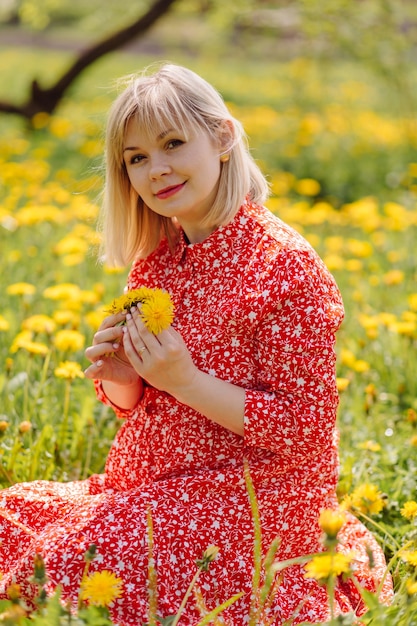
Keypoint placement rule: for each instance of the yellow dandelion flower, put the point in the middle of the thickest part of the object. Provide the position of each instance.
(94, 319)
(63, 291)
(71, 245)
(394, 277)
(4, 324)
(156, 307)
(409, 510)
(366, 498)
(326, 565)
(69, 370)
(65, 316)
(413, 441)
(342, 383)
(33, 347)
(21, 289)
(39, 324)
(69, 340)
(411, 587)
(410, 556)
(370, 445)
(331, 521)
(101, 588)
(307, 187)
(412, 300)
(157, 312)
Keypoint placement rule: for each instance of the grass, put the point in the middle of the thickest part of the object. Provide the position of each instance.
(343, 171)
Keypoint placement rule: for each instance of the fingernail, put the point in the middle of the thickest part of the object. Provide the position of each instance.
(133, 309)
(99, 363)
(115, 346)
(128, 316)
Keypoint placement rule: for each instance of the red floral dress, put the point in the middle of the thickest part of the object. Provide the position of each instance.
(256, 307)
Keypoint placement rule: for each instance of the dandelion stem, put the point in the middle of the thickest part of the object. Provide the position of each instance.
(186, 596)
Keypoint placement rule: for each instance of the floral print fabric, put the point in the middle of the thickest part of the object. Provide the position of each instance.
(256, 307)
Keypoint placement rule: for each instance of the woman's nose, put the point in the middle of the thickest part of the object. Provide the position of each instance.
(159, 167)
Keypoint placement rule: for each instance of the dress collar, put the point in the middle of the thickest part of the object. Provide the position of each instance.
(219, 238)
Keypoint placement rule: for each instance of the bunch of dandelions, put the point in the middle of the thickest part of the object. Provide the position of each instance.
(155, 307)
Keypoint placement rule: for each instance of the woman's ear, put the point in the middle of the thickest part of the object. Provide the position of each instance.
(226, 136)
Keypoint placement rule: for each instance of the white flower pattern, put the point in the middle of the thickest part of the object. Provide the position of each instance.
(256, 307)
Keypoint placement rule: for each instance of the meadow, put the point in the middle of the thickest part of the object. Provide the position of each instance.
(340, 151)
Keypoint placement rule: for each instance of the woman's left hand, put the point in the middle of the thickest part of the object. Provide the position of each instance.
(163, 360)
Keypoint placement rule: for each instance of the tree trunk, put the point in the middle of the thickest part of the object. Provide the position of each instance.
(46, 100)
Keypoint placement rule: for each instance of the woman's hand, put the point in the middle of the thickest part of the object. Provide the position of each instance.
(107, 355)
(162, 360)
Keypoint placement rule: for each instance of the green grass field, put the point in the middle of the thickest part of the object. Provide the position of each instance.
(341, 156)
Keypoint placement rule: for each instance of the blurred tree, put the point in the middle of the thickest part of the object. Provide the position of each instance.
(45, 100)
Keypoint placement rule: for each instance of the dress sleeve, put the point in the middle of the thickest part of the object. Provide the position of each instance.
(293, 411)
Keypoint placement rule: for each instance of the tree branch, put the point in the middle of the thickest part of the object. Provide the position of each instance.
(46, 100)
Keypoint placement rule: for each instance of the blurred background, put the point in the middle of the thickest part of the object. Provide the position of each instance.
(318, 84)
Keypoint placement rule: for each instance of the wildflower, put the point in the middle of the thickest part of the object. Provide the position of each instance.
(39, 324)
(4, 425)
(409, 510)
(33, 347)
(410, 556)
(413, 441)
(366, 498)
(370, 445)
(411, 587)
(101, 588)
(69, 370)
(307, 187)
(210, 555)
(331, 522)
(342, 383)
(94, 319)
(63, 291)
(156, 310)
(394, 277)
(21, 289)
(64, 317)
(69, 340)
(71, 245)
(25, 426)
(327, 565)
(157, 313)
(4, 324)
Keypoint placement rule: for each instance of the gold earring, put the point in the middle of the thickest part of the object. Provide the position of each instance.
(224, 158)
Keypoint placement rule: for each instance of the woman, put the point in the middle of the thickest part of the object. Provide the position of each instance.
(245, 374)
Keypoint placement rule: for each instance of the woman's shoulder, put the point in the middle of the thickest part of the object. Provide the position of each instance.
(271, 232)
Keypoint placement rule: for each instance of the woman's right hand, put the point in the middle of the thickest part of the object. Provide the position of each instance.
(107, 354)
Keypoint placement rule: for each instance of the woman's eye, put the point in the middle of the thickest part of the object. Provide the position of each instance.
(173, 143)
(136, 158)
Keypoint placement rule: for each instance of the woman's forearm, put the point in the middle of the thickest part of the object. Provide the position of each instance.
(218, 400)
(123, 396)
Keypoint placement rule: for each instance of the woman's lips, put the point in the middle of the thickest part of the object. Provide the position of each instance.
(167, 192)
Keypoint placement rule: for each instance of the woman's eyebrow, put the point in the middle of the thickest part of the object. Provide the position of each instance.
(159, 137)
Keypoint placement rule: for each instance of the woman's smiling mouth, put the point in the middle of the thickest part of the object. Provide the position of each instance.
(167, 192)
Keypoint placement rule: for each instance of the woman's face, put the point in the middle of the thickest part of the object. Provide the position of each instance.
(175, 176)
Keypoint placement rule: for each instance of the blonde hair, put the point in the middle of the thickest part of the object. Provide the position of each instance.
(171, 97)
